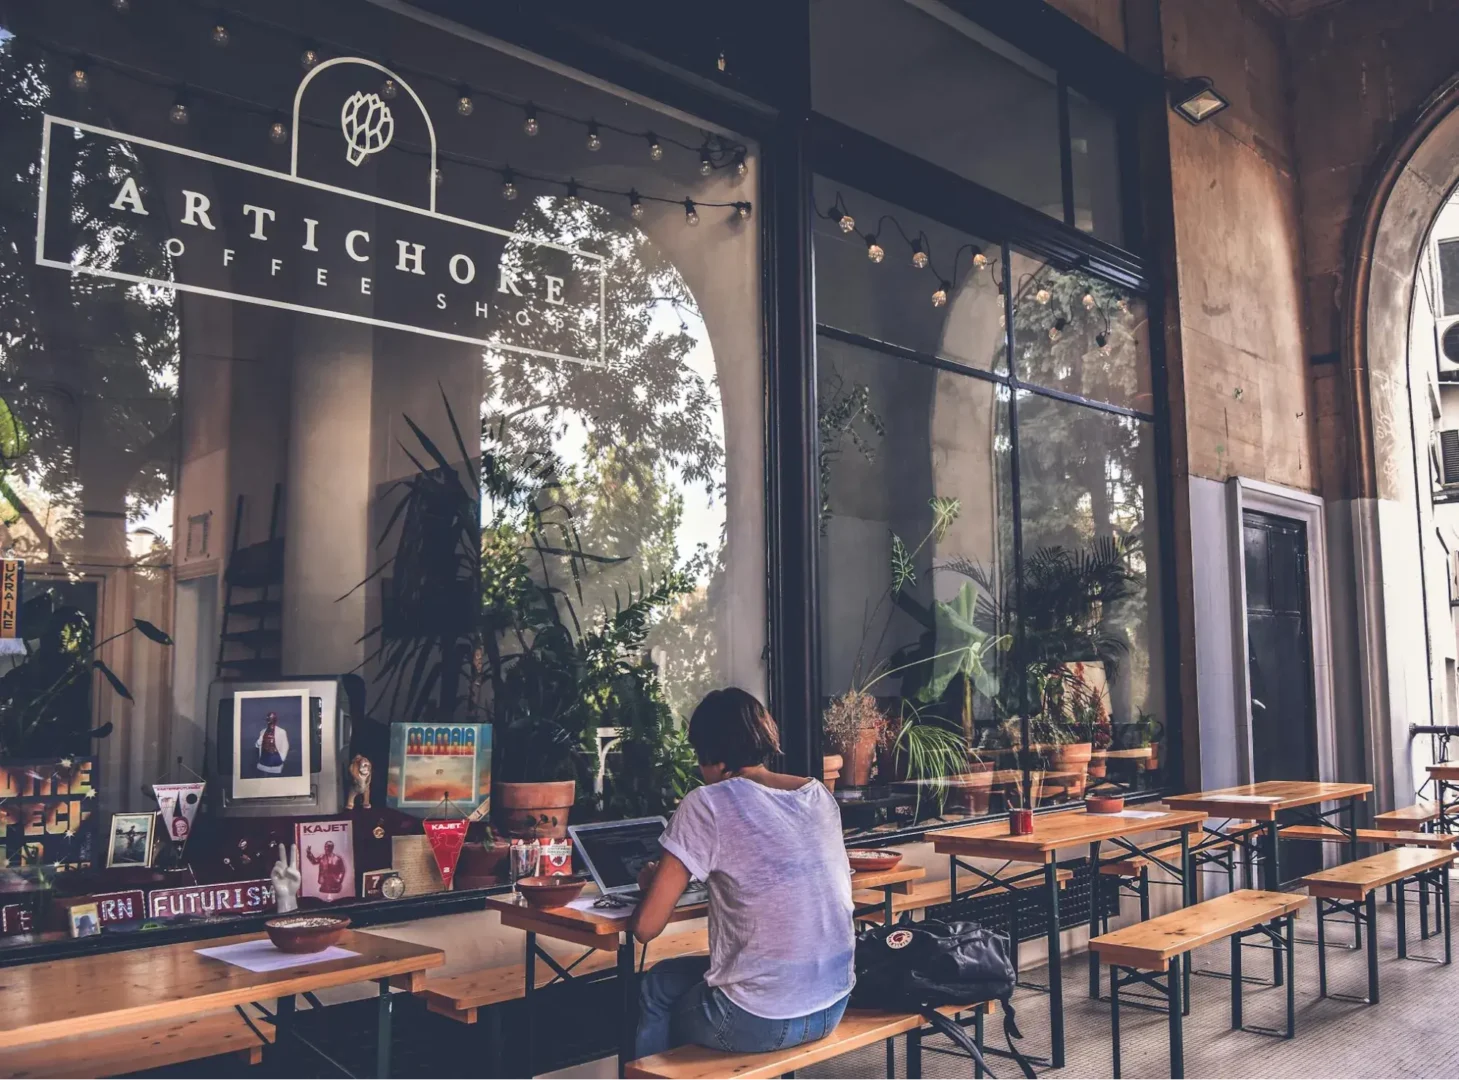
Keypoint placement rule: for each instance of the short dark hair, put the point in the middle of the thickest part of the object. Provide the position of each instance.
(732, 728)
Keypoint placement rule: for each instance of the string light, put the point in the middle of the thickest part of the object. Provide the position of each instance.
(979, 259)
(464, 105)
(530, 125)
(691, 215)
(1042, 296)
(939, 298)
(1088, 301)
(310, 56)
(389, 89)
(278, 131)
(220, 35)
(919, 257)
(742, 210)
(706, 163)
(844, 220)
(655, 149)
(594, 140)
(741, 167)
(635, 206)
(80, 78)
(874, 251)
(509, 185)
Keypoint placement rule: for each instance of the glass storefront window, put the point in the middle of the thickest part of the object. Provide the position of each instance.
(1094, 159)
(450, 382)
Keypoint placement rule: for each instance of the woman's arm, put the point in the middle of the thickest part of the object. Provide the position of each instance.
(670, 880)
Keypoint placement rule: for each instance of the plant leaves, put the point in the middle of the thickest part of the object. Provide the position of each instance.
(945, 511)
(904, 573)
(111, 677)
(103, 731)
(152, 633)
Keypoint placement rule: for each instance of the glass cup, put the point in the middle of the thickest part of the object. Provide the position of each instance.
(526, 858)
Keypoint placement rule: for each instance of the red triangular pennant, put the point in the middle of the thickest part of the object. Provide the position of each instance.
(446, 838)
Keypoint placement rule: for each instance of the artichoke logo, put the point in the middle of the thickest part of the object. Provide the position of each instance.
(367, 124)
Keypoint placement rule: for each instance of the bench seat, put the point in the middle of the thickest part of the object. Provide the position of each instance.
(1355, 880)
(858, 1028)
(141, 1048)
(1407, 817)
(1170, 850)
(1150, 945)
(926, 894)
(458, 997)
(1326, 834)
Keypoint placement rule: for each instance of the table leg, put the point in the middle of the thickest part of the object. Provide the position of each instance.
(1114, 1017)
(1271, 873)
(382, 1029)
(1177, 1012)
(1444, 901)
(1372, 910)
(914, 1052)
(529, 991)
(1095, 883)
(1290, 947)
(887, 912)
(1056, 963)
(1188, 894)
(952, 877)
(1402, 895)
(283, 1027)
(627, 978)
(1236, 1020)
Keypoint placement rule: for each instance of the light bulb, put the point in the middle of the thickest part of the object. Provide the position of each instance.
(874, 251)
(635, 206)
(1124, 305)
(1042, 296)
(464, 105)
(742, 210)
(389, 89)
(509, 185)
(309, 57)
(529, 125)
(220, 35)
(706, 166)
(741, 168)
(595, 141)
(1102, 340)
(846, 221)
(178, 114)
(980, 260)
(1088, 301)
(1055, 333)
(919, 257)
(939, 298)
(278, 132)
(691, 215)
(655, 151)
(80, 79)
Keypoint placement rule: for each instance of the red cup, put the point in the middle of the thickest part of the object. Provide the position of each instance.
(1020, 823)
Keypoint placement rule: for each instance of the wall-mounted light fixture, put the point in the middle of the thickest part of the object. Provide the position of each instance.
(1195, 99)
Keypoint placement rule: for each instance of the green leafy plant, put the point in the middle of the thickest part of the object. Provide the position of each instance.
(841, 415)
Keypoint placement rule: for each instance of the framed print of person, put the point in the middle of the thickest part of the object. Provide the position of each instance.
(326, 859)
(270, 744)
(130, 840)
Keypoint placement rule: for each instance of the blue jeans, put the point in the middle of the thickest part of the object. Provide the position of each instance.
(676, 1006)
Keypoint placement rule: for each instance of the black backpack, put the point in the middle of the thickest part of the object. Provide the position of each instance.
(922, 966)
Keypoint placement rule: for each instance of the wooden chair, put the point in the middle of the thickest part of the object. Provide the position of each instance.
(142, 1048)
(1352, 889)
(1144, 952)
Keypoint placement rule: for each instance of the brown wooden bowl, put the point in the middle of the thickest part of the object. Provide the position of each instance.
(1104, 804)
(550, 891)
(305, 933)
(873, 860)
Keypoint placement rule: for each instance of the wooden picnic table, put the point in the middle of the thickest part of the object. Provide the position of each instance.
(82, 995)
(592, 929)
(1066, 829)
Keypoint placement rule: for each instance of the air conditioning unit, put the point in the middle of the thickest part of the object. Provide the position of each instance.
(1447, 445)
(1448, 333)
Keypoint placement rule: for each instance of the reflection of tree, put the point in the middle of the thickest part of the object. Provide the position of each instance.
(632, 434)
(88, 365)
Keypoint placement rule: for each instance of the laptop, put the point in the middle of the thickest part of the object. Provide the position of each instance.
(615, 851)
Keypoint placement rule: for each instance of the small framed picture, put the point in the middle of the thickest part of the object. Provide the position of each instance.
(130, 840)
(270, 744)
(85, 919)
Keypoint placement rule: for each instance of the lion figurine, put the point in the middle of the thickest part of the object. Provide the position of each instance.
(360, 772)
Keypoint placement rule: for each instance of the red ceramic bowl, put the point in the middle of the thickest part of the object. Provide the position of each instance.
(864, 860)
(1104, 804)
(546, 892)
(305, 933)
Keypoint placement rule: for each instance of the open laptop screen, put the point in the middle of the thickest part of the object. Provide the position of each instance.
(619, 852)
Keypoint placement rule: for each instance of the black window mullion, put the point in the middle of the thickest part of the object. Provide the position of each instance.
(1066, 154)
(1019, 673)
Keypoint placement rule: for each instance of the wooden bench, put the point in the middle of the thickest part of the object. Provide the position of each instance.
(1352, 889)
(926, 894)
(859, 1028)
(141, 1048)
(1141, 953)
(458, 997)
(1327, 834)
(1407, 817)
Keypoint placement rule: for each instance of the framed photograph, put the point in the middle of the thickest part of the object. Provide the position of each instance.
(270, 744)
(432, 764)
(326, 859)
(85, 920)
(130, 841)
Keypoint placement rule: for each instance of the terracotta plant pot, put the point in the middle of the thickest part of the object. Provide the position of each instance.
(528, 811)
(972, 791)
(1104, 804)
(859, 758)
(482, 865)
(1098, 764)
(831, 770)
(1073, 758)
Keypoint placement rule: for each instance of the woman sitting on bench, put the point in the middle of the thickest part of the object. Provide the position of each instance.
(768, 847)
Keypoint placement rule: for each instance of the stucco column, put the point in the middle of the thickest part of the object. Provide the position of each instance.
(327, 497)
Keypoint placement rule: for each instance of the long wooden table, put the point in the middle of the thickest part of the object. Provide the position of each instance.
(1065, 829)
(61, 999)
(595, 931)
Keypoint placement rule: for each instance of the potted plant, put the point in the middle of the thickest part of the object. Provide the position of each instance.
(856, 726)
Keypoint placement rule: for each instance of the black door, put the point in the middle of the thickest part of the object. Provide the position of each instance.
(1279, 663)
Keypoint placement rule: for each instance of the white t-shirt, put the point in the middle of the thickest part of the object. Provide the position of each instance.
(780, 937)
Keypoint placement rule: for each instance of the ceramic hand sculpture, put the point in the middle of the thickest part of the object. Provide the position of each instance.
(286, 879)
